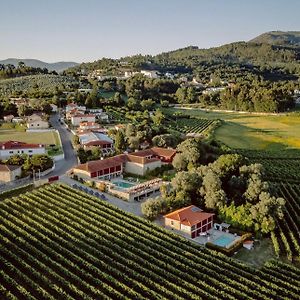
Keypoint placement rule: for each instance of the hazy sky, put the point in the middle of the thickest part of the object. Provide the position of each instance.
(86, 30)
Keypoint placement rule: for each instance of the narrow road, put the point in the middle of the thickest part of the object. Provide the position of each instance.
(70, 160)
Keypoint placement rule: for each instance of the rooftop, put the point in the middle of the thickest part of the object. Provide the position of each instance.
(18, 145)
(6, 168)
(190, 215)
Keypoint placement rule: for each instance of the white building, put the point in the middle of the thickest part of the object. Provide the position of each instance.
(149, 73)
(78, 118)
(54, 107)
(88, 126)
(96, 139)
(9, 148)
(74, 106)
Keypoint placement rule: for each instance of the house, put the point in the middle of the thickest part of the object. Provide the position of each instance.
(144, 145)
(17, 120)
(96, 139)
(102, 169)
(72, 106)
(213, 90)
(139, 163)
(190, 220)
(9, 173)
(34, 117)
(149, 73)
(8, 118)
(9, 148)
(78, 118)
(88, 125)
(37, 124)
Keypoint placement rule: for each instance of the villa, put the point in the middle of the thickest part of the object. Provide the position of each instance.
(191, 220)
(77, 118)
(139, 163)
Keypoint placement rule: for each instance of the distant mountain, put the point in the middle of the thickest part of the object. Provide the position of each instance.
(279, 38)
(57, 66)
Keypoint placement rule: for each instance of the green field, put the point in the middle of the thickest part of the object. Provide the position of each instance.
(250, 131)
(47, 138)
(60, 243)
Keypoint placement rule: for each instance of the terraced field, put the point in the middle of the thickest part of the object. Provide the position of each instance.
(60, 243)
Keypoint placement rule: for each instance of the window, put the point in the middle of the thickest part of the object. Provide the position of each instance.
(11, 151)
(30, 151)
(172, 222)
(193, 227)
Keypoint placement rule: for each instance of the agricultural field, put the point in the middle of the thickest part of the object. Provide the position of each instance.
(251, 131)
(191, 126)
(286, 238)
(59, 243)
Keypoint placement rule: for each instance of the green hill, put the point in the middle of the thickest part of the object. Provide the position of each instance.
(282, 38)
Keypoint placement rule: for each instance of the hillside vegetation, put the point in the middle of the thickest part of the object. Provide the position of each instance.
(283, 38)
(36, 85)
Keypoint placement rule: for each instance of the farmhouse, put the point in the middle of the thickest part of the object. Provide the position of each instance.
(78, 118)
(137, 163)
(9, 173)
(191, 220)
(9, 148)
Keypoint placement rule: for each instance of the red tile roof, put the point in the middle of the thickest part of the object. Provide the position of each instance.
(79, 115)
(18, 145)
(98, 143)
(166, 152)
(190, 215)
(97, 165)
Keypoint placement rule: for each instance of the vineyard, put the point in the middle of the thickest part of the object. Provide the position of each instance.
(286, 238)
(191, 126)
(60, 243)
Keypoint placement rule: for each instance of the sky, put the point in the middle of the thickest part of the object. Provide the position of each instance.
(87, 30)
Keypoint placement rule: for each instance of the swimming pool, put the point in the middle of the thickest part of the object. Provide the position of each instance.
(224, 241)
(123, 184)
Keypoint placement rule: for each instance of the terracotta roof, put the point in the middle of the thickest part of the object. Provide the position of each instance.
(166, 152)
(155, 151)
(190, 215)
(18, 145)
(5, 168)
(248, 242)
(97, 165)
(97, 143)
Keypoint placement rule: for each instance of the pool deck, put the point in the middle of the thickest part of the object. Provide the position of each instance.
(214, 235)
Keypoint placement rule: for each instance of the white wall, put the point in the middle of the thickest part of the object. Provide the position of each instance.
(30, 151)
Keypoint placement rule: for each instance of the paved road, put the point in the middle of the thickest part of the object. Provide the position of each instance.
(70, 160)
(132, 207)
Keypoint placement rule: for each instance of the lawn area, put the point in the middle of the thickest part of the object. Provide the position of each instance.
(47, 138)
(250, 131)
(262, 251)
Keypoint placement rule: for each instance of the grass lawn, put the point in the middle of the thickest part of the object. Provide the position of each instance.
(47, 138)
(250, 131)
(262, 251)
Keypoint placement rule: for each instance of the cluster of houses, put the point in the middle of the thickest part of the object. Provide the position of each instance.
(77, 114)
(34, 121)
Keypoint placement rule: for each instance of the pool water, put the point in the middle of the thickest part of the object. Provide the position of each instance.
(123, 184)
(223, 241)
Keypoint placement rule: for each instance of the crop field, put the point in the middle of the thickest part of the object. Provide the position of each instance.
(59, 243)
(286, 238)
(191, 126)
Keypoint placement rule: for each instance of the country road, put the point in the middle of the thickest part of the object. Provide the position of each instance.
(70, 160)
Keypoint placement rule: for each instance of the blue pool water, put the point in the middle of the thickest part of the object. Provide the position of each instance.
(123, 184)
(223, 241)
